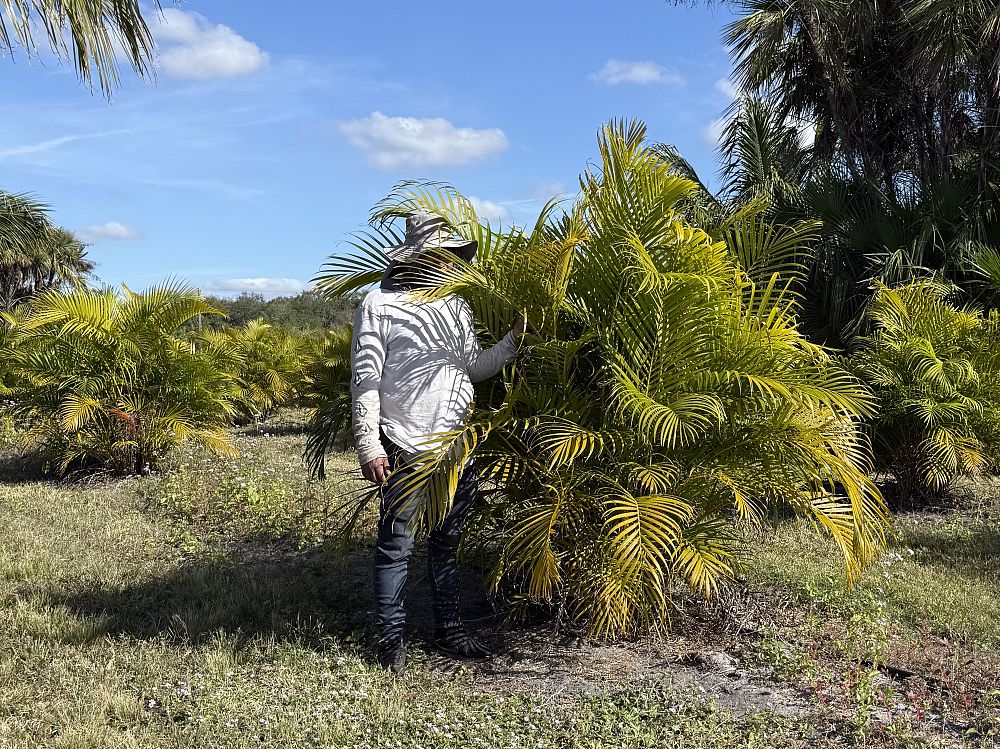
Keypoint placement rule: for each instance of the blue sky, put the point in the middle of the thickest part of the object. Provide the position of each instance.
(267, 136)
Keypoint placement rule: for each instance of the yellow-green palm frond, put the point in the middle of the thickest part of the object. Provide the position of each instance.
(106, 380)
(665, 403)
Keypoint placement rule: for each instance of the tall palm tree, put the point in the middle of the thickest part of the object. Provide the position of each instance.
(94, 34)
(904, 101)
(903, 93)
(35, 255)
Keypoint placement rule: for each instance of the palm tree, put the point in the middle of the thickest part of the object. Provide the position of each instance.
(93, 33)
(101, 378)
(665, 404)
(327, 393)
(935, 368)
(268, 364)
(903, 103)
(34, 254)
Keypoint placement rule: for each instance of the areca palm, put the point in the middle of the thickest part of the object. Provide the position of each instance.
(935, 368)
(101, 378)
(267, 362)
(94, 34)
(665, 404)
(327, 393)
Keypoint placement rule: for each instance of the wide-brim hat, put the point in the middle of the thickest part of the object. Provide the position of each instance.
(425, 231)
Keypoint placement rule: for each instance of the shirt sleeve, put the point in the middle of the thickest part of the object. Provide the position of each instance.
(367, 359)
(480, 363)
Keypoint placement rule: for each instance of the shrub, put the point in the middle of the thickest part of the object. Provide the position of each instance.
(935, 369)
(99, 378)
(327, 393)
(665, 404)
(266, 362)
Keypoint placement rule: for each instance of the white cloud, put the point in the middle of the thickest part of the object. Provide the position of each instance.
(616, 72)
(727, 88)
(489, 211)
(53, 143)
(713, 131)
(547, 190)
(392, 142)
(265, 286)
(109, 232)
(190, 46)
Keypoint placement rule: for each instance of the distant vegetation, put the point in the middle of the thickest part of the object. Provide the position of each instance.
(305, 311)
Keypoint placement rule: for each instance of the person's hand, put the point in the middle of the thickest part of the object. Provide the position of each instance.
(376, 470)
(519, 327)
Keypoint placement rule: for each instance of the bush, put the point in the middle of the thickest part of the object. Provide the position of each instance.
(327, 393)
(267, 363)
(665, 404)
(936, 371)
(99, 377)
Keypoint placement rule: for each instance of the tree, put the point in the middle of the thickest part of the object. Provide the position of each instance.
(935, 369)
(306, 311)
(902, 100)
(35, 255)
(95, 34)
(665, 404)
(267, 364)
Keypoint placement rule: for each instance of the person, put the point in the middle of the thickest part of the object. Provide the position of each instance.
(414, 363)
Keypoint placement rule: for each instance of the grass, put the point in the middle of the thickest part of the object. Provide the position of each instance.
(941, 571)
(200, 608)
(927, 614)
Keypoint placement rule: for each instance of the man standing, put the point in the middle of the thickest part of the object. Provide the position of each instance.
(413, 365)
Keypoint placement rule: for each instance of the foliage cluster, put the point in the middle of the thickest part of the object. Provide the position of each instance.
(268, 364)
(101, 378)
(307, 311)
(259, 492)
(892, 145)
(113, 381)
(36, 255)
(666, 404)
(936, 371)
(96, 35)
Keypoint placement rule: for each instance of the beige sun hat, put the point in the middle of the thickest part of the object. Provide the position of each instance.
(425, 231)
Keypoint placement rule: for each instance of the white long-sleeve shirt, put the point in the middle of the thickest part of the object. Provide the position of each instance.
(413, 365)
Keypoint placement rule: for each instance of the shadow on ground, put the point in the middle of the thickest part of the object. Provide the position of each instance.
(318, 601)
(22, 467)
(310, 598)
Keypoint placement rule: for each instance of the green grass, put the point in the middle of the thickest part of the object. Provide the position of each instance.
(940, 571)
(199, 608)
(112, 636)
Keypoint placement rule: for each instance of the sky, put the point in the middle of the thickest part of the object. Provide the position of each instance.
(267, 135)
